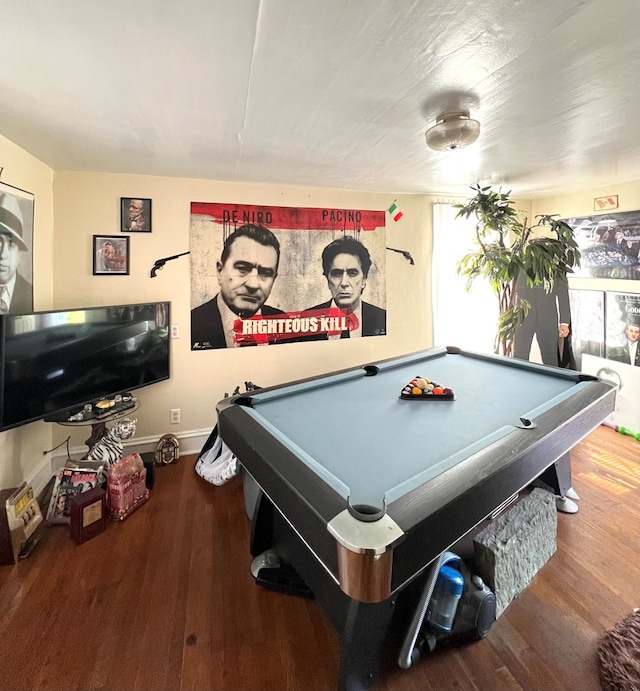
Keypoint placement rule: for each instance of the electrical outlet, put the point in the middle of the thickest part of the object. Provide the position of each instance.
(175, 416)
(175, 330)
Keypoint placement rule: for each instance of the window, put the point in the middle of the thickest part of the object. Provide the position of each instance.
(467, 319)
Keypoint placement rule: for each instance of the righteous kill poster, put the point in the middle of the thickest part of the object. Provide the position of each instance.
(265, 275)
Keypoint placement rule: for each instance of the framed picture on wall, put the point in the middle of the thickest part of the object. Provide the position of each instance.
(16, 224)
(110, 255)
(135, 215)
(609, 245)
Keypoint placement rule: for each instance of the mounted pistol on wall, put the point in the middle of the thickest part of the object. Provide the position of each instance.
(161, 262)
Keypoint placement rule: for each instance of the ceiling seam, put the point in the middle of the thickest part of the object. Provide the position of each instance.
(259, 18)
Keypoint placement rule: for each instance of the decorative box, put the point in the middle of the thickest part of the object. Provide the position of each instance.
(126, 488)
(88, 513)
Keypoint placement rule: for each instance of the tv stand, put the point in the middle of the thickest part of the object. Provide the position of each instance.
(97, 416)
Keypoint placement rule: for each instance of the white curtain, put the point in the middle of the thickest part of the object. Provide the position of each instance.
(460, 318)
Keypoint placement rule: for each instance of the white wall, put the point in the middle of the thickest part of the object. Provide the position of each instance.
(21, 449)
(88, 204)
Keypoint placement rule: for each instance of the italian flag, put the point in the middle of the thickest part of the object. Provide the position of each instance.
(395, 212)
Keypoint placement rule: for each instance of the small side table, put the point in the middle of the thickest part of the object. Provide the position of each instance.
(98, 422)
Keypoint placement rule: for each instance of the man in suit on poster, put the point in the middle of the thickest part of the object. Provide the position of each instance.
(16, 293)
(247, 270)
(629, 353)
(345, 264)
(548, 318)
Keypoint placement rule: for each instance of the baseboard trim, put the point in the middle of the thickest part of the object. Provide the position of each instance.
(40, 476)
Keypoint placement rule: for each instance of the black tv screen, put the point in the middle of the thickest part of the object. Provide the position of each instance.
(54, 362)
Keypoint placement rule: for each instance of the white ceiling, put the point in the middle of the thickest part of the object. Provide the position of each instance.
(329, 93)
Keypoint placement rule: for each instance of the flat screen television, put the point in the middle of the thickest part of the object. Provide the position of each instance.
(55, 362)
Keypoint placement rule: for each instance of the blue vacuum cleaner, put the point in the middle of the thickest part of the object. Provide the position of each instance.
(454, 602)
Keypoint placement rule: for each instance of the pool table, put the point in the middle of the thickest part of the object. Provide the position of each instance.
(361, 490)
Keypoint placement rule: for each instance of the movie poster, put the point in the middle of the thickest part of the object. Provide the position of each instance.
(16, 234)
(265, 275)
(627, 379)
(587, 324)
(619, 361)
(623, 328)
(609, 245)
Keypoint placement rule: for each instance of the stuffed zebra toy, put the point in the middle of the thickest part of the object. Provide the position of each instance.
(109, 449)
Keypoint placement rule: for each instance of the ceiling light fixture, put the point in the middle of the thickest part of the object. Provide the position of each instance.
(452, 131)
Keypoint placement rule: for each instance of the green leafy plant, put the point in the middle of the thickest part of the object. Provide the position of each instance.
(506, 246)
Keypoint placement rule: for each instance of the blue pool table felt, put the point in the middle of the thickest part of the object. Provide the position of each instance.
(372, 447)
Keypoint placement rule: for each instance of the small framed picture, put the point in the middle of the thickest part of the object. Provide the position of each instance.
(135, 215)
(110, 255)
(604, 203)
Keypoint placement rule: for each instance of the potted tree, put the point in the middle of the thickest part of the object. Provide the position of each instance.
(506, 246)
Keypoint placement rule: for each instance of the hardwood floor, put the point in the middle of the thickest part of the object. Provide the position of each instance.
(165, 600)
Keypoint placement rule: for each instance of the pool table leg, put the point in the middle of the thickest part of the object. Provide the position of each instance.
(558, 479)
(362, 641)
(558, 476)
(362, 626)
